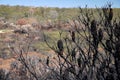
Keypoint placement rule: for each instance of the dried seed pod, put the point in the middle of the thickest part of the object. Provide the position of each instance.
(108, 45)
(118, 46)
(47, 61)
(117, 54)
(79, 62)
(73, 36)
(73, 54)
(93, 26)
(93, 29)
(110, 14)
(60, 46)
(100, 34)
(117, 31)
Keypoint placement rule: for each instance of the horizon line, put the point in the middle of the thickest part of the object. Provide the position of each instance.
(52, 6)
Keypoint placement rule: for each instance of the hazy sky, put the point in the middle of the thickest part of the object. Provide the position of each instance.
(61, 3)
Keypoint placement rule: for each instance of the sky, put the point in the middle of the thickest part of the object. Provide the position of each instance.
(61, 3)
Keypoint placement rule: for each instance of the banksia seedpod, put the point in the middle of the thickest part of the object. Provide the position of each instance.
(60, 46)
(47, 62)
(94, 33)
(73, 36)
(100, 34)
(73, 54)
(117, 31)
(118, 45)
(93, 28)
(117, 49)
(108, 45)
(110, 14)
(79, 62)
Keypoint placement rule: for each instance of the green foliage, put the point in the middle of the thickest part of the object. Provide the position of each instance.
(43, 13)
